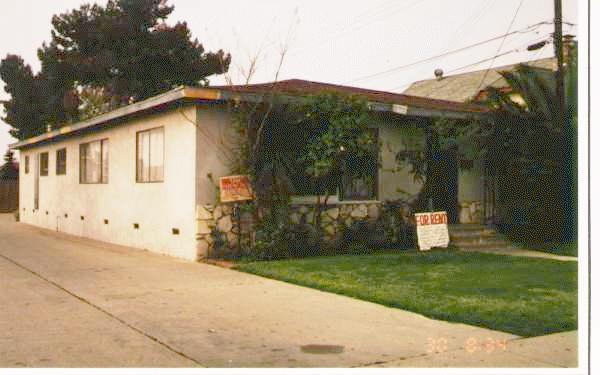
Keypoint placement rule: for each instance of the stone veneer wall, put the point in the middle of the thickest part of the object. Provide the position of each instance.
(333, 219)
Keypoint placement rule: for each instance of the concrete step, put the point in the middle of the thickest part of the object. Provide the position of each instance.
(472, 234)
(471, 231)
(467, 227)
(478, 237)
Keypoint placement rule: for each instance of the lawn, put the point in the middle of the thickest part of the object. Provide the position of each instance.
(523, 296)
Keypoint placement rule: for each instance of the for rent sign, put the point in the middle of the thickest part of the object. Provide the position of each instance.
(235, 188)
(432, 229)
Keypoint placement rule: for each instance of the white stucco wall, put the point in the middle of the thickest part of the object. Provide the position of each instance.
(393, 179)
(157, 207)
(216, 147)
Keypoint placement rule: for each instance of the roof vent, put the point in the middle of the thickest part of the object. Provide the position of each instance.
(439, 74)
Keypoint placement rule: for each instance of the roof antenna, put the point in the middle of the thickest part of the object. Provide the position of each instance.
(439, 74)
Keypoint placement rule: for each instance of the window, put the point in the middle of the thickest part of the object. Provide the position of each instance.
(93, 162)
(352, 185)
(150, 155)
(61, 161)
(363, 187)
(26, 164)
(44, 164)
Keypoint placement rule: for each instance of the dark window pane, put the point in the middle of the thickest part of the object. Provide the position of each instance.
(44, 164)
(61, 161)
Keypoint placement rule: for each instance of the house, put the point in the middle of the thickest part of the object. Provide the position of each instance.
(146, 175)
(9, 186)
(470, 86)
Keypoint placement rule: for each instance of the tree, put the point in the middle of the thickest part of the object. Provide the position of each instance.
(127, 48)
(536, 149)
(9, 170)
(24, 110)
(124, 50)
(337, 143)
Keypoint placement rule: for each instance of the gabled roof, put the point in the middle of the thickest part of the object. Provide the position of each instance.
(290, 89)
(464, 87)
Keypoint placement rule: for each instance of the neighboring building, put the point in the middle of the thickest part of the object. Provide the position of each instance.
(145, 175)
(9, 186)
(469, 86)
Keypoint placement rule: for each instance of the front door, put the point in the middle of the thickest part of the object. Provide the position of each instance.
(444, 181)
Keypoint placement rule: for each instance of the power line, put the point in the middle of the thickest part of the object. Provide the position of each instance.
(519, 49)
(355, 25)
(471, 19)
(501, 44)
(521, 31)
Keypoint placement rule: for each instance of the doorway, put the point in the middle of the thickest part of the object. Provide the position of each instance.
(444, 182)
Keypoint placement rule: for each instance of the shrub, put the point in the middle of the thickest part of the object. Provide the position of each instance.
(303, 240)
(220, 248)
(397, 224)
(358, 248)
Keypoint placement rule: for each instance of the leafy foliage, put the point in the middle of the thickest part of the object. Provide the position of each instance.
(9, 171)
(24, 111)
(123, 50)
(336, 135)
(533, 151)
(321, 137)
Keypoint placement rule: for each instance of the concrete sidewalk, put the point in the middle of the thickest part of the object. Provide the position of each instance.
(518, 252)
(71, 302)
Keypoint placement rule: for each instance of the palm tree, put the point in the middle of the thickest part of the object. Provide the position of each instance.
(533, 147)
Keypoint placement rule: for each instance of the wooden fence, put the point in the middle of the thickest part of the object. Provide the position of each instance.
(9, 195)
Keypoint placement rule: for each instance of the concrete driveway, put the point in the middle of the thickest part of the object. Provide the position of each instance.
(72, 302)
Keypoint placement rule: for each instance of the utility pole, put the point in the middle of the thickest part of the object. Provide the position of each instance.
(569, 205)
(558, 51)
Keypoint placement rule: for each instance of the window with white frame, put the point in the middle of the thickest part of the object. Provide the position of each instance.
(150, 155)
(93, 162)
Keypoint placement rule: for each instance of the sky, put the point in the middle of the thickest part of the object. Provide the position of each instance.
(356, 43)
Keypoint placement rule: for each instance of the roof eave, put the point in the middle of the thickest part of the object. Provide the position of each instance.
(218, 94)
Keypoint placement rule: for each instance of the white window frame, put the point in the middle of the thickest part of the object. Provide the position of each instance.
(139, 174)
(102, 163)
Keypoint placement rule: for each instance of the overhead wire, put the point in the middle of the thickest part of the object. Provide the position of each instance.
(493, 58)
(519, 49)
(471, 19)
(354, 26)
(521, 31)
(501, 44)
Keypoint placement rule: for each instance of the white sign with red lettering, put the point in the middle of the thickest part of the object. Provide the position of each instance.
(432, 229)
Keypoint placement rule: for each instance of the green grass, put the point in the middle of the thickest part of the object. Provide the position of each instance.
(523, 296)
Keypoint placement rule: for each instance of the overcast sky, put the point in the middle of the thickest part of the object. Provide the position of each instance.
(357, 43)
